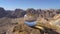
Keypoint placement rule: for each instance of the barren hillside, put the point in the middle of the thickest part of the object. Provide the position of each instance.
(10, 19)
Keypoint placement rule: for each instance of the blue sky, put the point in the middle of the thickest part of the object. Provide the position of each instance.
(24, 4)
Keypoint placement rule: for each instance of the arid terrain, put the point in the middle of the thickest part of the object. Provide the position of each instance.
(9, 19)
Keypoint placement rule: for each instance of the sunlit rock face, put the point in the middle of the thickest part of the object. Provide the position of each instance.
(57, 22)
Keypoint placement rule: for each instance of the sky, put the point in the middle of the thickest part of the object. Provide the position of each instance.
(24, 4)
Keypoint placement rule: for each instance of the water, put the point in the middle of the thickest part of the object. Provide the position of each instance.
(30, 23)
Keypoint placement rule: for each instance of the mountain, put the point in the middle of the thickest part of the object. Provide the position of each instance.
(9, 18)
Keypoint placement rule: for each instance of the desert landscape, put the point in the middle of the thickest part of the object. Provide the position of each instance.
(12, 21)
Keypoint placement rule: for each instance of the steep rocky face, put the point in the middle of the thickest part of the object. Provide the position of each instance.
(9, 13)
(19, 13)
(12, 14)
(47, 13)
(2, 12)
(5, 13)
(58, 11)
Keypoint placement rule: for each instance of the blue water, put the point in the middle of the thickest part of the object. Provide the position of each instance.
(30, 23)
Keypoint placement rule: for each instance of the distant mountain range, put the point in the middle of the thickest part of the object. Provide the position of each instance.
(20, 12)
(7, 21)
